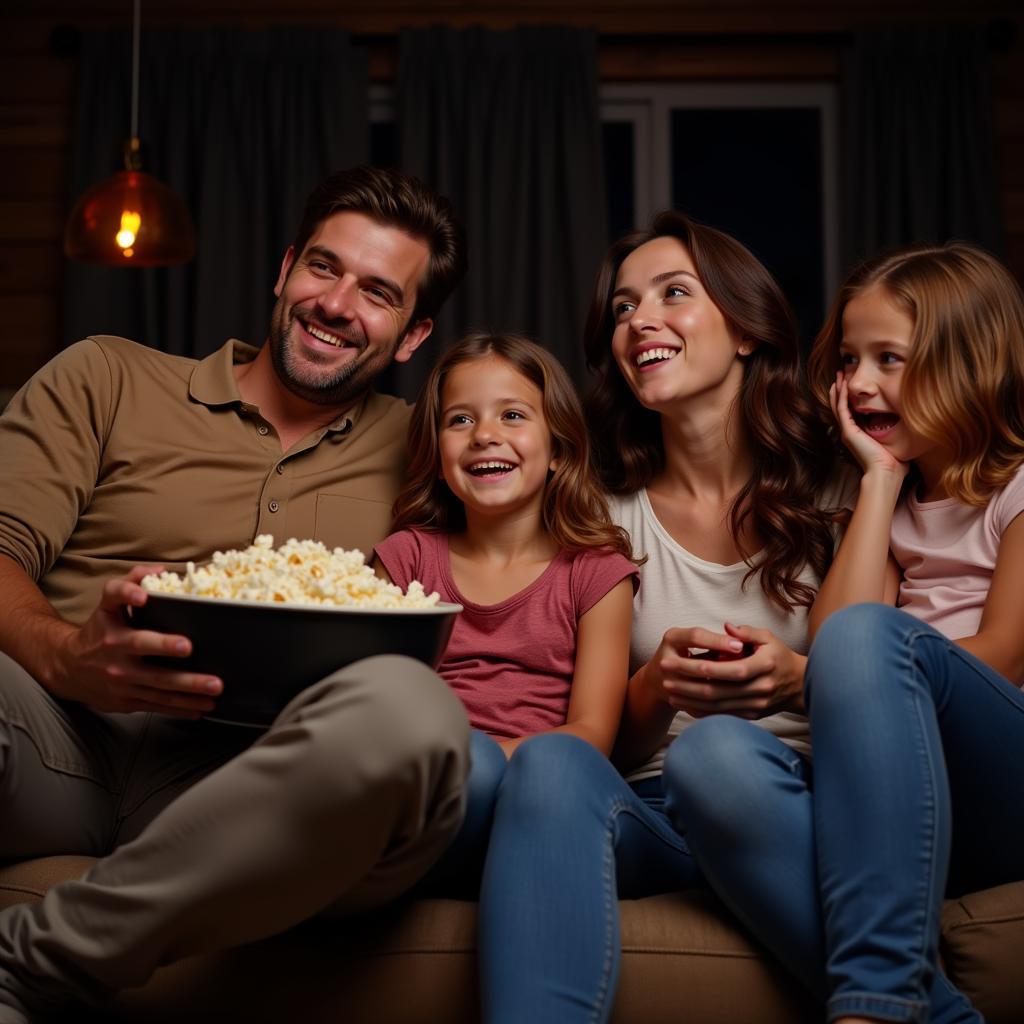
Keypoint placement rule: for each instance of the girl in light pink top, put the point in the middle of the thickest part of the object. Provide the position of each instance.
(917, 718)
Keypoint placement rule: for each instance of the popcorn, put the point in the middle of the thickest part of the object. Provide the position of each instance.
(299, 572)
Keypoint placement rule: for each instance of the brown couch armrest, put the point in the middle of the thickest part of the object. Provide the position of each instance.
(982, 947)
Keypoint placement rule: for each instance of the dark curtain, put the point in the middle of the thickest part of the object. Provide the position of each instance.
(241, 125)
(919, 161)
(507, 125)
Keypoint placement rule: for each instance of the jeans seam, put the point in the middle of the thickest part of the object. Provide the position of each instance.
(607, 877)
(928, 884)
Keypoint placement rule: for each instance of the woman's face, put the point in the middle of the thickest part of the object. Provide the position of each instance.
(670, 340)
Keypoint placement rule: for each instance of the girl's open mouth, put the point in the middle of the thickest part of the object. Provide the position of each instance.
(494, 467)
(876, 424)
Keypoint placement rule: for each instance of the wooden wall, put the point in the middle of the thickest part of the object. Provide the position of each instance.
(748, 39)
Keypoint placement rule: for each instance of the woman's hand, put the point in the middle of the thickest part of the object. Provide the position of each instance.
(765, 682)
(872, 456)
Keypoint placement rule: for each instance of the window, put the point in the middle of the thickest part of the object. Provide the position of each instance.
(757, 160)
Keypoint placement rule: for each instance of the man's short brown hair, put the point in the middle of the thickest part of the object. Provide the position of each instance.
(398, 200)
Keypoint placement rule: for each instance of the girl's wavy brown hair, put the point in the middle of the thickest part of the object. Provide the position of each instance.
(963, 383)
(789, 451)
(574, 511)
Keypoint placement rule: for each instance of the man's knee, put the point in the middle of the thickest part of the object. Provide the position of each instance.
(388, 717)
(417, 708)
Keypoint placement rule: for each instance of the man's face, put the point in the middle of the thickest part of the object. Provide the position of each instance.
(343, 308)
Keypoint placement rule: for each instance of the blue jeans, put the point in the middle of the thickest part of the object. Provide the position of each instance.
(457, 874)
(915, 795)
(569, 838)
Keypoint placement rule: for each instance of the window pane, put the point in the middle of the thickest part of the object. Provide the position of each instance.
(756, 173)
(620, 183)
(383, 143)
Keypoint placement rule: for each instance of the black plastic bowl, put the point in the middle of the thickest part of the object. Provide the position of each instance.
(267, 653)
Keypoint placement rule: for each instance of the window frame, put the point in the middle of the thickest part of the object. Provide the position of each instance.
(648, 107)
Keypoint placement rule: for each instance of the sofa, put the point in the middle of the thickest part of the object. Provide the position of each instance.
(684, 959)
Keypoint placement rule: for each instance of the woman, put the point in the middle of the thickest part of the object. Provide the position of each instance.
(705, 434)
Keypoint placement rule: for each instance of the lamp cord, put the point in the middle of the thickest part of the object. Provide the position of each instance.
(135, 70)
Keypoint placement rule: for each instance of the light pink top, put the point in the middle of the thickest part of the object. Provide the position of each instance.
(947, 551)
(510, 663)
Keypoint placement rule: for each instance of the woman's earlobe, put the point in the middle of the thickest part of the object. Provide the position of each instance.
(747, 345)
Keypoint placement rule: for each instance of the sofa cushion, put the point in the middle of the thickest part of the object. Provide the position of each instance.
(683, 958)
(982, 945)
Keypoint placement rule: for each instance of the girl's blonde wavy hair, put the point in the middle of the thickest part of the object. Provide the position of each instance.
(963, 383)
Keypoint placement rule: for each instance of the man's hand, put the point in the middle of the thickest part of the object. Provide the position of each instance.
(765, 682)
(100, 663)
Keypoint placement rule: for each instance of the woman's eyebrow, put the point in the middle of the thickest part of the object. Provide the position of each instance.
(669, 274)
(657, 279)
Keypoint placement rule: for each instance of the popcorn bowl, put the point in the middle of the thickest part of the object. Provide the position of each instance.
(268, 652)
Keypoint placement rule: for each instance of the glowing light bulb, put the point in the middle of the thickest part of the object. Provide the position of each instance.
(130, 221)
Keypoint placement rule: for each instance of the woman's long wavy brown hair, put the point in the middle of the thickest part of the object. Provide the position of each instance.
(963, 383)
(790, 452)
(574, 511)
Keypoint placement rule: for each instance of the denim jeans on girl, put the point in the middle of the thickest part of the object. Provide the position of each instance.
(916, 790)
(569, 838)
(457, 874)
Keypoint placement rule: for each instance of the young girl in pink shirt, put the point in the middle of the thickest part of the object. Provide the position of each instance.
(501, 515)
(916, 714)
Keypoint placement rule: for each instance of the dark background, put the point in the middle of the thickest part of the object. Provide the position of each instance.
(687, 41)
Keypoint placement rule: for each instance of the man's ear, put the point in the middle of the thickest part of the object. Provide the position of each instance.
(414, 337)
(286, 266)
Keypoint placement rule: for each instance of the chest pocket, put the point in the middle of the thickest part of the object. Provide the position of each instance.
(346, 522)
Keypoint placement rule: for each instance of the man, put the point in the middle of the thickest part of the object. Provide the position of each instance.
(115, 456)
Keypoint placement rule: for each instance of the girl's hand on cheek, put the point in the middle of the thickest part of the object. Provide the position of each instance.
(872, 456)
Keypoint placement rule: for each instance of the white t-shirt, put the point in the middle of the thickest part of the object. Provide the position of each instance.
(680, 589)
(947, 551)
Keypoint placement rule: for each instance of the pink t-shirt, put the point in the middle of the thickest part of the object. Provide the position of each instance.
(947, 551)
(510, 663)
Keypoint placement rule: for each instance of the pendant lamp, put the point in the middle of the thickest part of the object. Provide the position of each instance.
(130, 219)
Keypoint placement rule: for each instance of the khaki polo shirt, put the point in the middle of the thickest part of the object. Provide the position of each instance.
(115, 455)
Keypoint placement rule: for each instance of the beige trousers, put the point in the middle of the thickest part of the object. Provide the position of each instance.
(342, 805)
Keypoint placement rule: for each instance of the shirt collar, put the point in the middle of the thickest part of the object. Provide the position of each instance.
(213, 380)
(213, 383)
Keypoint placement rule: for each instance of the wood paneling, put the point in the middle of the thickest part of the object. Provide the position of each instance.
(31, 267)
(32, 220)
(607, 16)
(30, 317)
(34, 172)
(34, 124)
(662, 40)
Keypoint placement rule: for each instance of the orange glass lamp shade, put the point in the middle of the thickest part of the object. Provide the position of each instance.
(130, 220)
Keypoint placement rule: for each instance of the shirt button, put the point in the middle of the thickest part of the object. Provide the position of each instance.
(263, 429)
(274, 506)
